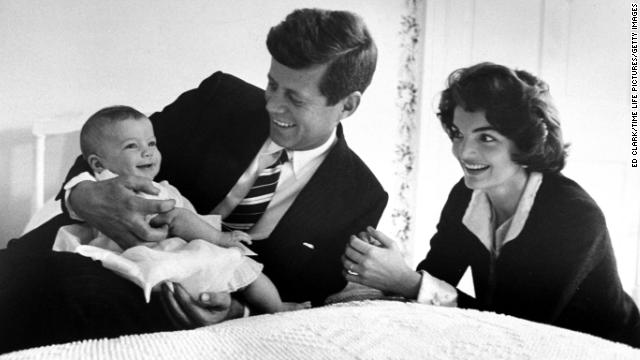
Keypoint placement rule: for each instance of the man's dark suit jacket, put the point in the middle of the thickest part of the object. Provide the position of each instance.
(209, 136)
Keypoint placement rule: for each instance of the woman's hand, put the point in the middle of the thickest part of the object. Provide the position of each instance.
(381, 267)
(113, 207)
(188, 313)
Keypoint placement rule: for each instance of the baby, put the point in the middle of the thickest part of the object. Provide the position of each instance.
(119, 140)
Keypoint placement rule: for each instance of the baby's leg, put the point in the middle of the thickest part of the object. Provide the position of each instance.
(293, 306)
(263, 297)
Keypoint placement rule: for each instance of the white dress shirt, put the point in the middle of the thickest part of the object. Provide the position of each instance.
(294, 175)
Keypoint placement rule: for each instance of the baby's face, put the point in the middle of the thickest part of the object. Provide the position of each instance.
(129, 148)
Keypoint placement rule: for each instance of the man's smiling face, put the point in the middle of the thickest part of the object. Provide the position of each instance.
(300, 116)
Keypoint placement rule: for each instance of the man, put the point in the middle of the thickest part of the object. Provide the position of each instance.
(214, 140)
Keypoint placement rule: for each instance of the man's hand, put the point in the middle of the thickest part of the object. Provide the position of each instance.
(187, 313)
(112, 207)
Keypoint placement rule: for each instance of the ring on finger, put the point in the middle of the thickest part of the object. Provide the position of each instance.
(350, 270)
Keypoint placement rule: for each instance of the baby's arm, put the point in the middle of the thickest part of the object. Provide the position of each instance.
(189, 226)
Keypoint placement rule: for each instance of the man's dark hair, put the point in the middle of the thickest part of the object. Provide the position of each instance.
(311, 37)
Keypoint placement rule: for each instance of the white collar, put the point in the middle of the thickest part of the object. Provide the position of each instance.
(478, 216)
(106, 174)
(300, 158)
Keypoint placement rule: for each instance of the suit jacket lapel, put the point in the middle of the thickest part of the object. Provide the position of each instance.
(319, 193)
(232, 146)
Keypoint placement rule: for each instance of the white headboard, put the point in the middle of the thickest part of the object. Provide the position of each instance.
(41, 129)
(41, 208)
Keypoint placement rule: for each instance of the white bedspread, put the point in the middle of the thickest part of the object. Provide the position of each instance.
(358, 330)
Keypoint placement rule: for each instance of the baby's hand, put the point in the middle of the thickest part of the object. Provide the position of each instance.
(233, 238)
(240, 236)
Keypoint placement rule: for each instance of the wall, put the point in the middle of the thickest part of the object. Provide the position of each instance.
(69, 58)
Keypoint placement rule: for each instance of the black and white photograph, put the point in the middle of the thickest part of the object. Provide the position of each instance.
(305, 179)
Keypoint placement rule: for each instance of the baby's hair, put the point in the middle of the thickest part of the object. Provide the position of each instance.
(92, 132)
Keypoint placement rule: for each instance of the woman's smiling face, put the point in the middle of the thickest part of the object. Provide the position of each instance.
(483, 153)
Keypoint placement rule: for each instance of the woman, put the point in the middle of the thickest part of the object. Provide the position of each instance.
(536, 242)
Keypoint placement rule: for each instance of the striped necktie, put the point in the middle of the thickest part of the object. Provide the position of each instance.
(250, 209)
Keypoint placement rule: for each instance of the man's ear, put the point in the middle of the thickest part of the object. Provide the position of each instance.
(350, 104)
(95, 163)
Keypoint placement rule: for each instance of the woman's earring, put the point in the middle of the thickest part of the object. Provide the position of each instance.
(545, 133)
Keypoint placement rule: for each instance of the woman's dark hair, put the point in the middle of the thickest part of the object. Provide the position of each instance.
(310, 37)
(517, 104)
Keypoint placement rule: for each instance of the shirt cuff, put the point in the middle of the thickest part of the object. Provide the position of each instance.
(434, 291)
(85, 176)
